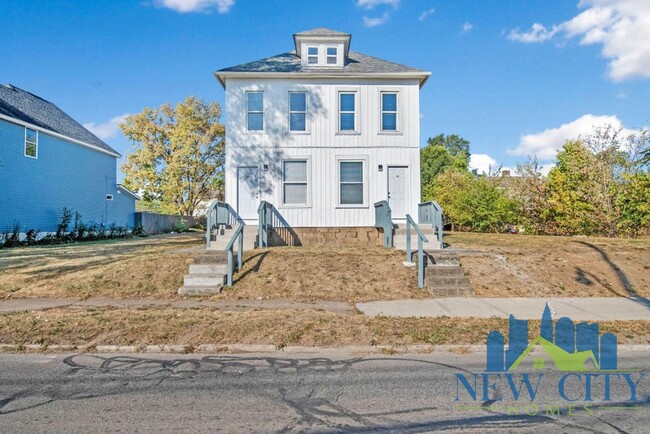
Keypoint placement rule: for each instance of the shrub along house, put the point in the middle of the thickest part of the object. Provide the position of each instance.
(48, 162)
(322, 133)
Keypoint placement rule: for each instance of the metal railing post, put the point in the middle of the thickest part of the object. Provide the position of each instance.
(409, 258)
(420, 263)
(240, 253)
(229, 281)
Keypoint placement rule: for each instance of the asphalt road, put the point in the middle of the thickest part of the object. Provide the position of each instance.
(301, 393)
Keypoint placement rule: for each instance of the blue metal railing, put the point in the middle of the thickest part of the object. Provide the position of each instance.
(431, 213)
(384, 220)
(269, 218)
(421, 240)
(219, 214)
(238, 235)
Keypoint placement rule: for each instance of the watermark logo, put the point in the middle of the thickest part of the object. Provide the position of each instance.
(575, 367)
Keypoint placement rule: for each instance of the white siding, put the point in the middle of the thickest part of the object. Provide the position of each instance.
(322, 144)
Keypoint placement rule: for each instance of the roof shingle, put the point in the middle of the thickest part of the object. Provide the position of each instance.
(27, 107)
(322, 31)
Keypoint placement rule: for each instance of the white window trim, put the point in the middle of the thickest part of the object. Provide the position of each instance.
(357, 109)
(317, 55)
(307, 126)
(398, 117)
(247, 112)
(295, 205)
(328, 56)
(25, 144)
(364, 167)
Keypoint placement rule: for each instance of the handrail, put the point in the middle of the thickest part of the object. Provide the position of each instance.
(421, 240)
(384, 220)
(431, 213)
(270, 218)
(217, 214)
(238, 234)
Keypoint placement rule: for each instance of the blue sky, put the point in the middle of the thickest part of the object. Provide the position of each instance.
(515, 78)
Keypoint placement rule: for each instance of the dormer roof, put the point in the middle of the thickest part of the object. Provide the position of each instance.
(321, 34)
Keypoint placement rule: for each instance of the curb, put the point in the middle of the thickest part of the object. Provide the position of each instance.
(255, 348)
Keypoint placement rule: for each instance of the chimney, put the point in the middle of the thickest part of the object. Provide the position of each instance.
(505, 173)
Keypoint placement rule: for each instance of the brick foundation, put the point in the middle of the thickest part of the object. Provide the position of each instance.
(341, 236)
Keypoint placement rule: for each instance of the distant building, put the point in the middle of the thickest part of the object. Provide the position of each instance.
(48, 161)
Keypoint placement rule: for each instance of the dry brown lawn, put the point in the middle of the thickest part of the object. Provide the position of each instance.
(140, 267)
(290, 327)
(541, 266)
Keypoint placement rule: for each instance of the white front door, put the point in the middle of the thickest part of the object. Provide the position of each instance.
(398, 191)
(248, 191)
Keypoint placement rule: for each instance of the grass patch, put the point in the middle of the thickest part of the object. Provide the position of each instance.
(141, 327)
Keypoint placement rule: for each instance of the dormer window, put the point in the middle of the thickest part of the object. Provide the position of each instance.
(312, 55)
(332, 57)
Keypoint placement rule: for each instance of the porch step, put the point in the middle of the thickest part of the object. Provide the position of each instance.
(445, 270)
(204, 279)
(440, 281)
(200, 290)
(439, 258)
(451, 291)
(444, 275)
(208, 268)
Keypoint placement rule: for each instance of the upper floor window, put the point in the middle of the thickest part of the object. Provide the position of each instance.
(255, 111)
(347, 111)
(297, 111)
(312, 55)
(389, 111)
(332, 58)
(31, 143)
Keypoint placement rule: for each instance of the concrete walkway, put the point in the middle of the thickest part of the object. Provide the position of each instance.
(32, 304)
(582, 309)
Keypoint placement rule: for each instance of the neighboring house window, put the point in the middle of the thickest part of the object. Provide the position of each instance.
(351, 182)
(31, 143)
(255, 110)
(331, 56)
(389, 111)
(297, 111)
(312, 55)
(294, 182)
(347, 111)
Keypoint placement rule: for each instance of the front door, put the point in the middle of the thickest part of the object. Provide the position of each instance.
(248, 191)
(398, 191)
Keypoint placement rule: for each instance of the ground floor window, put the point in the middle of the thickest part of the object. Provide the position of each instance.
(295, 182)
(351, 183)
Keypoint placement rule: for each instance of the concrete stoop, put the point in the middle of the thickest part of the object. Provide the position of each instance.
(444, 275)
(207, 274)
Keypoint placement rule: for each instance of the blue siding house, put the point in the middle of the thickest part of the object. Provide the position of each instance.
(48, 161)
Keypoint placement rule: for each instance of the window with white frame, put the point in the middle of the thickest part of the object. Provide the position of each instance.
(312, 55)
(347, 111)
(255, 111)
(332, 58)
(31, 143)
(389, 111)
(351, 182)
(297, 111)
(295, 182)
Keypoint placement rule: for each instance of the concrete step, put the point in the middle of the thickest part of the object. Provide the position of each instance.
(212, 257)
(437, 258)
(439, 281)
(205, 279)
(444, 270)
(209, 268)
(451, 291)
(200, 290)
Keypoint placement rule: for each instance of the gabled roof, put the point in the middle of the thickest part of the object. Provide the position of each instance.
(34, 110)
(322, 31)
(355, 64)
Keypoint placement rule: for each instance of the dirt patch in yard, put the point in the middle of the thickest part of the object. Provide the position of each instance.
(139, 267)
(141, 327)
(325, 273)
(541, 266)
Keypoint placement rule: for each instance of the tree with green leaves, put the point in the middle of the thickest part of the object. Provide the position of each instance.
(178, 155)
(456, 145)
(440, 153)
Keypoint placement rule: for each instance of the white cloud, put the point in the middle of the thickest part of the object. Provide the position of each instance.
(483, 163)
(467, 27)
(107, 129)
(186, 6)
(622, 27)
(377, 21)
(371, 4)
(423, 16)
(545, 144)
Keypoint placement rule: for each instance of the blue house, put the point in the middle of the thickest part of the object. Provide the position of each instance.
(48, 161)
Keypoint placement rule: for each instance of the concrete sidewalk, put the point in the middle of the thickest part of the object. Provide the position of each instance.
(582, 309)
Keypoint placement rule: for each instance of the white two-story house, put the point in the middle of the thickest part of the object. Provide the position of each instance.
(322, 133)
